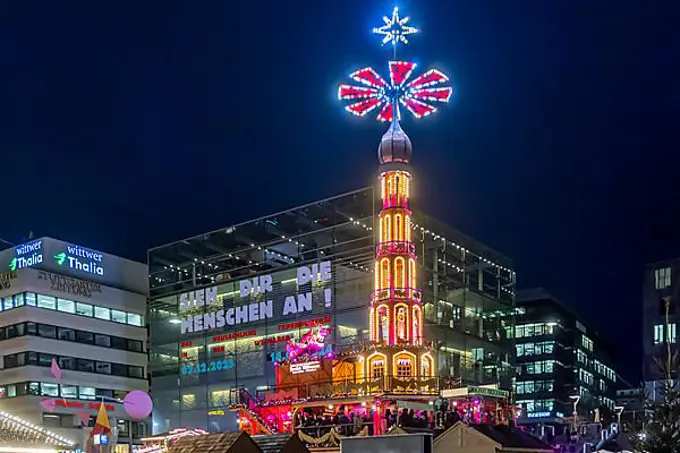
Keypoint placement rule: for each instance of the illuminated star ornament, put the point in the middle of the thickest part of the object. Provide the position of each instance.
(418, 96)
(395, 29)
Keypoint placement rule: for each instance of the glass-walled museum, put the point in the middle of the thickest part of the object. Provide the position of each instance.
(225, 305)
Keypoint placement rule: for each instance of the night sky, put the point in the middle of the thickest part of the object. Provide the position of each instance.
(126, 125)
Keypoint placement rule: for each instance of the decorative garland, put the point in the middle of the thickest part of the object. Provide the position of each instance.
(331, 438)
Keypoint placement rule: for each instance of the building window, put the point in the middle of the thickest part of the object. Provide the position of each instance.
(540, 367)
(404, 368)
(586, 376)
(378, 369)
(48, 302)
(587, 343)
(529, 349)
(65, 305)
(662, 277)
(581, 357)
(69, 306)
(658, 334)
(671, 333)
(522, 388)
(532, 330)
(84, 309)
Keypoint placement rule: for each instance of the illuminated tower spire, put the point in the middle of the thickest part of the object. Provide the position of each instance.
(396, 310)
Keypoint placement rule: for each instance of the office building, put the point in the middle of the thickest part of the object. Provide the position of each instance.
(559, 362)
(86, 311)
(659, 323)
(225, 305)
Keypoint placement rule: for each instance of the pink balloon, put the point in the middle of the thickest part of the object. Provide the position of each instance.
(138, 405)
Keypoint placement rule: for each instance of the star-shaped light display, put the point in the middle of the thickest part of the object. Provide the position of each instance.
(395, 29)
(417, 96)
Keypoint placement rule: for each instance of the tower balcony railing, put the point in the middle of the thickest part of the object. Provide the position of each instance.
(406, 294)
(396, 248)
(395, 201)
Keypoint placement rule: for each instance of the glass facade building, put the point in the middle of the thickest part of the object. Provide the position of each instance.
(224, 305)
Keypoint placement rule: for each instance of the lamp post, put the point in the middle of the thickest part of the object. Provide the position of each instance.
(576, 399)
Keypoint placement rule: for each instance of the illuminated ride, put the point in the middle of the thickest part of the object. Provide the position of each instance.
(397, 370)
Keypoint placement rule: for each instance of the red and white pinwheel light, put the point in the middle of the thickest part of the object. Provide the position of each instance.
(418, 96)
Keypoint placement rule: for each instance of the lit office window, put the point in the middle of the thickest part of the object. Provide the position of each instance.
(658, 334)
(587, 343)
(662, 277)
(670, 334)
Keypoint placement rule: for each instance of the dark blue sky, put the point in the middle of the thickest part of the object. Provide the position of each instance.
(129, 124)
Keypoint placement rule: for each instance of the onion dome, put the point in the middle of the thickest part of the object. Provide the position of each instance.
(395, 145)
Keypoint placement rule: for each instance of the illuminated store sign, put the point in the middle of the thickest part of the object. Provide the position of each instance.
(304, 367)
(27, 255)
(256, 311)
(81, 259)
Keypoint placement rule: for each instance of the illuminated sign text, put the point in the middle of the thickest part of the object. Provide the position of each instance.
(256, 311)
(27, 255)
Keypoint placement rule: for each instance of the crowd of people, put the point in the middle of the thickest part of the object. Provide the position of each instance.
(351, 421)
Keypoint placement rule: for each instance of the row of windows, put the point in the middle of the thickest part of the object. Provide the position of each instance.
(73, 363)
(70, 306)
(662, 277)
(528, 349)
(540, 367)
(671, 333)
(68, 420)
(608, 402)
(586, 376)
(532, 330)
(604, 370)
(525, 387)
(67, 334)
(64, 391)
(537, 405)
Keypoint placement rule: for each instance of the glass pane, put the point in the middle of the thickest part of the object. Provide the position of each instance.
(47, 331)
(84, 309)
(45, 359)
(103, 368)
(85, 365)
(134, 345)
(102, 313)
(134, 319)
(48, 302)
(49, 389)
(84, 337)
(7, 303)
(67, 334)
(67, 363)
(86, 393)
(30, 299)
(34, 388)
(136, 372)
(19, 300)
(118, 316)
(66, 305)
(102, 340)
(69, 391)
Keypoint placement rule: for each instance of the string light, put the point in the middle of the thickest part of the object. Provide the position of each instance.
(416, 96)
(395, 29)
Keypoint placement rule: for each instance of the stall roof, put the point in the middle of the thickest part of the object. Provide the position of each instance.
(280, 443)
